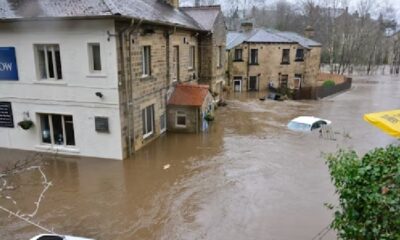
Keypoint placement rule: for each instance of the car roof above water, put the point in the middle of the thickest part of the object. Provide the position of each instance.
(306, 119)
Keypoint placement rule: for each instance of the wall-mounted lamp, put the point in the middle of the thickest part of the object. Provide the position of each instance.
(99, 94)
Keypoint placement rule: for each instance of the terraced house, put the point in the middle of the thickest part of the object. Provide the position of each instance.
(259, 59)
(93, 78)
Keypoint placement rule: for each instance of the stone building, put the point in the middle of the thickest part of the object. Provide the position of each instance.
(94, 77)
(259, 59)
(188, 108)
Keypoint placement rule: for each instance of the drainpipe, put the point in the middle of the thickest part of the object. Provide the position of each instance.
(248, 65)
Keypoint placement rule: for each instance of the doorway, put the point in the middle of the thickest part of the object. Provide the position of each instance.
(237, 84)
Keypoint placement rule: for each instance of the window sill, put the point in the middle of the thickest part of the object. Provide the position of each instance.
(238, 60)
(54, 148)
(299, 60)
(147, 78)
(148, 135)
(253, 64)
(180, 126)
(285, 63)
(50, 82)
(96, 75)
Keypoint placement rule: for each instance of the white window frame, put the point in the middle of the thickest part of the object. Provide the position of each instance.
(180, 114)
(91, 57)
(46, 48)
(51, 129)
(146, 60)
(192, 59)
(144, 118)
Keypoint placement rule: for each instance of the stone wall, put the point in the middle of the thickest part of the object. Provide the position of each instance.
(210, 73)
(269, 68)
(137, 91)
(192, 119)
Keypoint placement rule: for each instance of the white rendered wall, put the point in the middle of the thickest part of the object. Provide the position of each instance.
(74, 95)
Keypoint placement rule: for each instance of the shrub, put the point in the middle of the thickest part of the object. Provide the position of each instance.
(369, 194)
(329, 83)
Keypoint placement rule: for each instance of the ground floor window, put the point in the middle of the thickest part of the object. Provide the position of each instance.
(297, 81)
(57, 129)
(148, 121)
(180, 119)
(237, 84)
(163, 122)
(253, 83)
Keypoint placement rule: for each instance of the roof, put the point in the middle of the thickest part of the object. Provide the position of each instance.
(150, 10)
(261, 35)
(205, 16)
(189, 95)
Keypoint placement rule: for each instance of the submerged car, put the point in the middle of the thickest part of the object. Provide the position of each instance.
(307, 123)
(57, 237)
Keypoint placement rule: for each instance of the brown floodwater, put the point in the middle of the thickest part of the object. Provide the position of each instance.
(248, 177)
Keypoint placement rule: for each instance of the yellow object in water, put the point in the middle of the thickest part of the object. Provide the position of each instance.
(389, 121)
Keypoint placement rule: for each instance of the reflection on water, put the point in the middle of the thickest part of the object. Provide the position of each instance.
(248, 177)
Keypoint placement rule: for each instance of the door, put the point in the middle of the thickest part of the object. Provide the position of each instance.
(284, 83)
(175, 64)
(253, 83)
(237, 84)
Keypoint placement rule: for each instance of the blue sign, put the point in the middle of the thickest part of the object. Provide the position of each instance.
(8, 64)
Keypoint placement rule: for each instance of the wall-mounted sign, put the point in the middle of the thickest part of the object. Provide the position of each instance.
(101, 124)
(8, 64)
(6, 115)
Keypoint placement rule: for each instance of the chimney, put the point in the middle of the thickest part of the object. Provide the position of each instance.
(309, 32)
(246, 26)
(173, 3)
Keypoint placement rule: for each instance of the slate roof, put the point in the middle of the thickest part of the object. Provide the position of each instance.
(261, 35)
(205, 16)
(189, 95)
(150, 10)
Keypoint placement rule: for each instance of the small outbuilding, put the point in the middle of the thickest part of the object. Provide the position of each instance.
(189, 107)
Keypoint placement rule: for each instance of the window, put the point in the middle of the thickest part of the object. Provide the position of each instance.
(48, 62)
(163, 123)
(219, 57)
(285, 56)
(146, 60)
(192, 57)
(297, 81)
(238, 54)
(180, 119)
(300, 55)
(254, 56)
(94, 57)
(148, 121)
(57, 129)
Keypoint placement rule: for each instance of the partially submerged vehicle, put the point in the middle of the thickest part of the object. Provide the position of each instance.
(57, 237)
(307, 123)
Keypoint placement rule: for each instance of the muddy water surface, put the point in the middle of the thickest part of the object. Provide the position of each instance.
(248, 177)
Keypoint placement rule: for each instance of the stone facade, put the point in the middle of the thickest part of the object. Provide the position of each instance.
(270, 68)
(212, 51)
(139, 91)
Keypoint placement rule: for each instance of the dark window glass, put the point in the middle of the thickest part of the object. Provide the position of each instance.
(149, 119)
(50, 63)
(42, 64)
(58, 64)
(57, 129)
(285, 55)
(69, 130)
(254, 56)
(46, 135)
(238, 54)
(181, 120)
(144, 121)
(300, 54)
(96, 57)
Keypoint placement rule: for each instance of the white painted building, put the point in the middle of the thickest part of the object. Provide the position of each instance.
(57, 90)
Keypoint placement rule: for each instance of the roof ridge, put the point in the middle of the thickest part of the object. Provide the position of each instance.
(217, 6)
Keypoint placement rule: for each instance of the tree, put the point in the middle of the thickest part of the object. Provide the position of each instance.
(369, 194)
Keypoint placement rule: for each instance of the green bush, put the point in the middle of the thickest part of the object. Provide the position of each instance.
(329, 83)
(369, 194)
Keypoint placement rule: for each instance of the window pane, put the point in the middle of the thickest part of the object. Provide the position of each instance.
(42, 63)
(57, 130)
(149, 113)
(96, 57)
(144, 121)
(162, 122)
(58, 64)
(69, 130)
(46, 135)
(181, 120)
(50, 63)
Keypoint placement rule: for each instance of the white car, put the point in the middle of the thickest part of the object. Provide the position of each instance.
(57, 237)
(307, 123)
